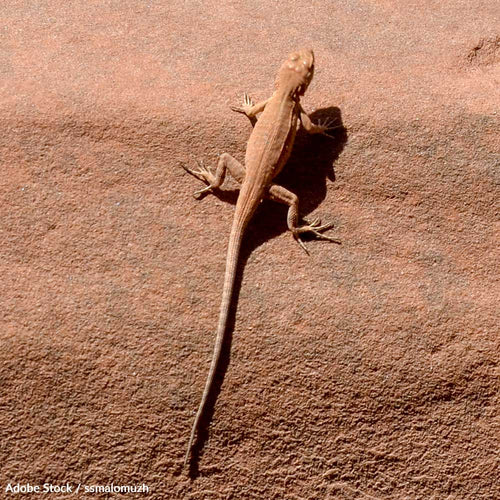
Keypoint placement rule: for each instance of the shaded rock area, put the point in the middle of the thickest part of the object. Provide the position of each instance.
(365, 370)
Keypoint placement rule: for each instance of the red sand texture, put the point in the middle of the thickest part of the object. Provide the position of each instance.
(365, 371)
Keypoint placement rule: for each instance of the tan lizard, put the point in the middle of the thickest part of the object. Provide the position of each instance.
(268, 150)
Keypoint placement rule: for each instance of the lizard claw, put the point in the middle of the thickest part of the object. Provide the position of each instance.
(199, 174)
(301, 243)
(313, 223)
(247, 100)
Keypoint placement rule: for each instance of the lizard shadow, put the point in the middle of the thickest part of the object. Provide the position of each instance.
(206, 418)
(305, 174)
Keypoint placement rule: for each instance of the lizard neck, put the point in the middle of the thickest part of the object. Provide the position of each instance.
(291, 93)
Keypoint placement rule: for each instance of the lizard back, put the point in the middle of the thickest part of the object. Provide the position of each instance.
(271, 141)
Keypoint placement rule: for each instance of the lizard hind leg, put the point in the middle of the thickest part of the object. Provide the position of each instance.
(215, 181)
(282, 195)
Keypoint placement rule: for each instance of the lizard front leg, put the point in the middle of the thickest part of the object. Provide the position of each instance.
(282, 195)
(250, 109)
(226, 162)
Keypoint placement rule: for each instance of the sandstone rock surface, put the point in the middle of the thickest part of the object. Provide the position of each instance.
(367, 370)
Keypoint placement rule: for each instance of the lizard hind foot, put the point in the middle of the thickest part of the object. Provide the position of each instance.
(203, 174)
(315, 227)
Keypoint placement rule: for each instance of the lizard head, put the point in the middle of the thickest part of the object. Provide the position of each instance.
(296, 72)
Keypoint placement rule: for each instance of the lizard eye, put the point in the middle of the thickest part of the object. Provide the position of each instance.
(294, 56)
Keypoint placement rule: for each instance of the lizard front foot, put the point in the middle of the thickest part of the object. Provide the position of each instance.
(247, 106)
(203, 174)
(315, 227)
(324, 127)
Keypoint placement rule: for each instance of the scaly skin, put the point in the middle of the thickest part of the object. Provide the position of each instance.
(268, 150)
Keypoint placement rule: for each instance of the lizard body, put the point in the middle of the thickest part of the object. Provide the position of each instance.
(268, 149)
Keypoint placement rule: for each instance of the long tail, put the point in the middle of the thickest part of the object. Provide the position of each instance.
(233, 252)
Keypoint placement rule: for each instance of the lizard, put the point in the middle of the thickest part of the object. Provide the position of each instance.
(267, 152)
